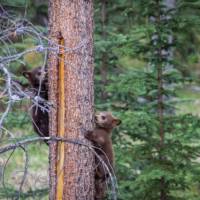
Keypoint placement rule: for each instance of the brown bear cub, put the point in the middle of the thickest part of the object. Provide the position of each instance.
(39, 86)
(101, 137)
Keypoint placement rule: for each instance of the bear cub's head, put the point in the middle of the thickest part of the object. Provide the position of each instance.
(106, 120)
(36, 77)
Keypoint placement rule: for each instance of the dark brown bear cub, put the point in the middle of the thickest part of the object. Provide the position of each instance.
(101, 137)
(39, 86)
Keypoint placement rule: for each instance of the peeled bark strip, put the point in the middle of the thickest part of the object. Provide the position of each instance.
(71, 169)
(61, 122)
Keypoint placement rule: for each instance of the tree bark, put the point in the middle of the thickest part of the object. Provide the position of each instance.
(70, 73)
(104, 57)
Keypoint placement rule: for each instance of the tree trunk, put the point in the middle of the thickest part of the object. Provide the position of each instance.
(104, 57)
(169, 4)
(70, 74)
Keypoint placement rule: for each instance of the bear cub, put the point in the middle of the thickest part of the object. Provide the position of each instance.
(101, 138)
(39, 86)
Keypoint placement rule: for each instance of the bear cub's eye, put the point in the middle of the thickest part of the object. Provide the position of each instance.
(103, 117)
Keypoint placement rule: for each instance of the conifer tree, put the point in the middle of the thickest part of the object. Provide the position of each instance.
(156, 149)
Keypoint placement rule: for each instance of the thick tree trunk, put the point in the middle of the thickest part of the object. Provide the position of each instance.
(71, 91)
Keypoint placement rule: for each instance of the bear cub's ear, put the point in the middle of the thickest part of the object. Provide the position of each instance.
(26, 74)
(116, 122)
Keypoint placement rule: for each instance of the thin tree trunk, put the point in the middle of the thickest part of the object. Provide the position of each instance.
(104, 57)
(71, 92)
(163, 192)
(169, 5)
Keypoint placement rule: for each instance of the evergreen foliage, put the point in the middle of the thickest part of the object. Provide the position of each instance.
(157, 149)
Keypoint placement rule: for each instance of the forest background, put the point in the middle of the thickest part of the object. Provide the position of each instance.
(147, 69)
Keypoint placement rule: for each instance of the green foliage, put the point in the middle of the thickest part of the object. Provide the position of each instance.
(148, 165)
(11, 193)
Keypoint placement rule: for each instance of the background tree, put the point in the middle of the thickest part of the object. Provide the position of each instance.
(146, 99)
